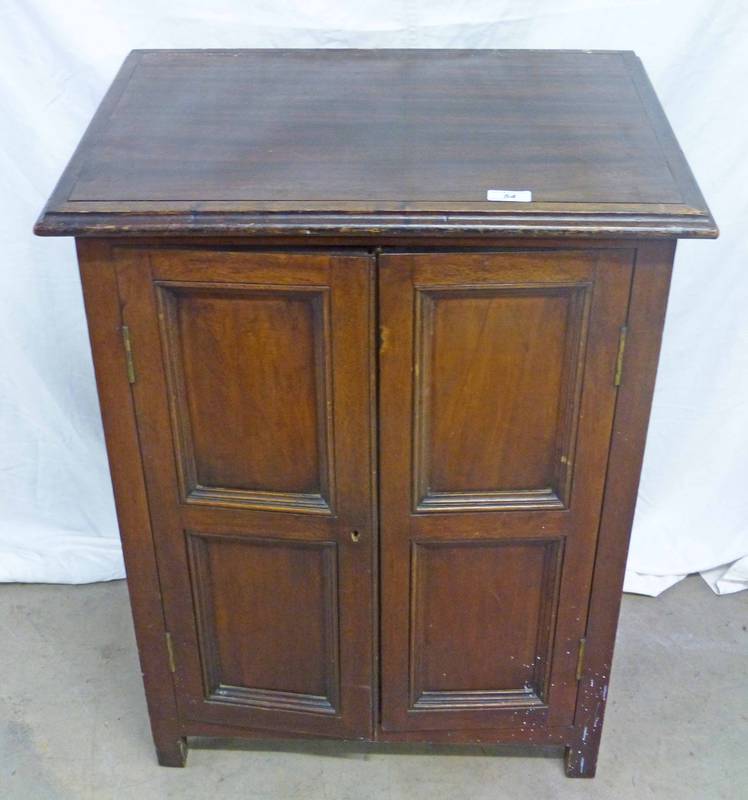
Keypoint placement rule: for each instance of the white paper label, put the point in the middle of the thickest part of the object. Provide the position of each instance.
(509, 195)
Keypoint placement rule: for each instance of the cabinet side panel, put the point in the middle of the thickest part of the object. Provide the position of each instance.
(117, 413)
(649, 293)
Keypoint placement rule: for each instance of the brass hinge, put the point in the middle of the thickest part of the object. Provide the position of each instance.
(128, 354)
(170, 650)
(384, 338)
(580, 657)
(619, 357)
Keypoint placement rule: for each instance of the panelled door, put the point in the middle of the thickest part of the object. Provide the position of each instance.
(253, 398)
(496, 404)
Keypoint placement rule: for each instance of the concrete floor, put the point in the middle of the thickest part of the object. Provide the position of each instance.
(73, 719)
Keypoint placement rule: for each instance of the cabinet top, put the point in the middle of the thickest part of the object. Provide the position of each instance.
(367, 142)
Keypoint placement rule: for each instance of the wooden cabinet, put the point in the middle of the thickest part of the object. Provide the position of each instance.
(375, 444)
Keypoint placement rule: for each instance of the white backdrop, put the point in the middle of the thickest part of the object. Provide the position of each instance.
(57, 519)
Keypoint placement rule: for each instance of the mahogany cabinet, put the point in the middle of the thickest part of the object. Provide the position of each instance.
(375, 336)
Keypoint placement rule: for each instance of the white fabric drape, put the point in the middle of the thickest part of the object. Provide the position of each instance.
(57, 519)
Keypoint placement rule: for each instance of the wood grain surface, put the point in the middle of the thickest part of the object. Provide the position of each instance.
(358, 141)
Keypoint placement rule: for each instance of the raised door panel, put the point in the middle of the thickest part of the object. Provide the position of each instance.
(267, 614)
(496, 399)
(505, 390)
(243, 440)
(473, 603)
(253, 400)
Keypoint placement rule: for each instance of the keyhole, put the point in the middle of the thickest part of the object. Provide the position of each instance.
(355, 536)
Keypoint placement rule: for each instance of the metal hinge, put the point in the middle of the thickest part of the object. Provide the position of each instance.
(128, 354)
(384, 338)
(580, 657)
(170, 650)
(619, 357)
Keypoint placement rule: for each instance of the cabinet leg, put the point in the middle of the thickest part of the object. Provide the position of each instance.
(581, 759)
(171, 751)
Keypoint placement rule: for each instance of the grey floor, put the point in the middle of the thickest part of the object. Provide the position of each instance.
(73, 719)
